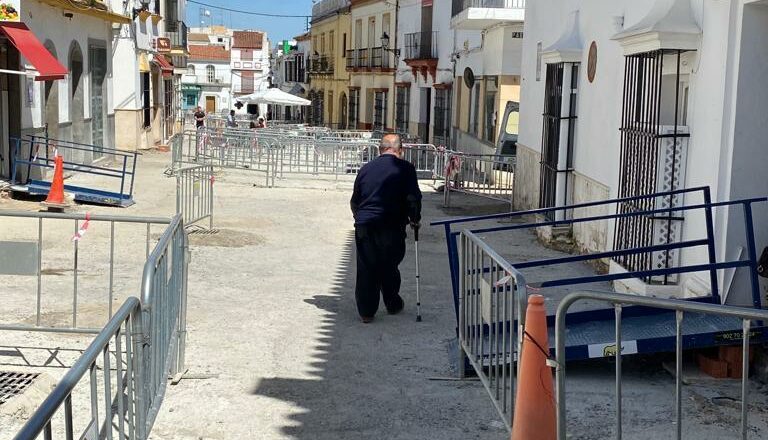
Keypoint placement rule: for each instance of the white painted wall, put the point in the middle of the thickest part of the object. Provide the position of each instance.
(49, 24)
(600, 103)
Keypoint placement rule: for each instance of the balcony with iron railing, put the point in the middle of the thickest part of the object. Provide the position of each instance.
(420, 53)
(420, 46)
(177, 32)
(358, 59)
(482, 14)
(204, 79)
(373, 58)
(321, 65)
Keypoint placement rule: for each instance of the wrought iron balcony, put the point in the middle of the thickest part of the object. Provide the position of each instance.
(177, 32)
(484, 14)
(321, 64)
(420, 46)
(380, 58)
(461, 5)
(358, 59)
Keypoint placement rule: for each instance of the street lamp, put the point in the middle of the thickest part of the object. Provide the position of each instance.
(385, 45)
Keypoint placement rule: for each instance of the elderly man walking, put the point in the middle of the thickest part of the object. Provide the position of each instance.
(386, 199)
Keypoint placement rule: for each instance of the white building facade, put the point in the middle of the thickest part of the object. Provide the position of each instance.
(626, 98)
(424, 81)
(249, 65)
(69, 98)
(151, 51)
(209, 71)
(487, 55)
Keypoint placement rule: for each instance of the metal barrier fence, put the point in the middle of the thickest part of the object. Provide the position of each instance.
(107, 238)
(492, 295)
(115, 355)
(194, 194)
(487, 176)
(681, 309)
(144, 340)
(164, 309)
(426, 158)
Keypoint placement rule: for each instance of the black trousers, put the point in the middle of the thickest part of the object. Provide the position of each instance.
(380, 250)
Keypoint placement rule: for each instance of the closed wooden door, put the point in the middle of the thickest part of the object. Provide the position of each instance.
(210, 104)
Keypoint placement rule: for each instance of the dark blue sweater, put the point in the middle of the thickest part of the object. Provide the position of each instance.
(386, 193)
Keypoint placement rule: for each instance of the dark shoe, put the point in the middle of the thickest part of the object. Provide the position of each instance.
(367, 319)
(397, 310)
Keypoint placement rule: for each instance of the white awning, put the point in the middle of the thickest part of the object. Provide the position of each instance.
(668, 25)
(273, 96)
(569, 47)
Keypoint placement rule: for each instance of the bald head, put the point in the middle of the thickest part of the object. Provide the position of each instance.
(390, 144)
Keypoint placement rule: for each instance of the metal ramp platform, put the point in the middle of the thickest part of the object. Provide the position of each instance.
(83, 194)
(33, 156)
(476, 255)
(648, 331)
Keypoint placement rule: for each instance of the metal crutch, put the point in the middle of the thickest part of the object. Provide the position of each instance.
(418, 280)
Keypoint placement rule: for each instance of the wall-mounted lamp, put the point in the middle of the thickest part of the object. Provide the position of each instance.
(385, 45)
(68, 15)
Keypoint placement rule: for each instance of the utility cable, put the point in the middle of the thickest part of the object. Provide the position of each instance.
(240, 11)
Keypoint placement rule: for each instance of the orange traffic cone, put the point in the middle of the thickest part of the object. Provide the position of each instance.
(535, 402)
(55, 197)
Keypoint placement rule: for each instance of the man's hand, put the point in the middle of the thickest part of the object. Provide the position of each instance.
(415, 225)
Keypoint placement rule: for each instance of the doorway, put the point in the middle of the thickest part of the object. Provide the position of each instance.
(98, 62)
(425, 114)
(343, 109)
(210, 104)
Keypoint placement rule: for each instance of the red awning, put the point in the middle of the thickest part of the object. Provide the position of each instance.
(30, 47)
(164, 65)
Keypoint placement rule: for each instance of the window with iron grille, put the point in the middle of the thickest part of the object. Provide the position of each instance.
(210, 72)
(318, 109)
(402, 109)
(168, 106)
(556, 170)
(491, 91)
(146, 94)
(380, 111)
(354, 108)
(442, 116)
(654, 142)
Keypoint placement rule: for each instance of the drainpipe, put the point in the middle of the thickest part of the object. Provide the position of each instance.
(397, 60)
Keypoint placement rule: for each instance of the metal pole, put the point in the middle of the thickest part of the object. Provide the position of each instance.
(418, 280)
(39, 268)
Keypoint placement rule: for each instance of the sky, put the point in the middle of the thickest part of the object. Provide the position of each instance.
(276, 28)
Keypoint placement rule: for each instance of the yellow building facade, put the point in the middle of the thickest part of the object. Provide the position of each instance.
(328, 76)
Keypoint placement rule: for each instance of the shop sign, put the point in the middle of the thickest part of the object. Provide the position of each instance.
(10, 10)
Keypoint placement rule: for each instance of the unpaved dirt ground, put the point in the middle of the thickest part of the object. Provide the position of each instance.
(275, 349)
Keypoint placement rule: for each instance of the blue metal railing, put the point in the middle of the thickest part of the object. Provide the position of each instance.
(34, 152)
(712, 265)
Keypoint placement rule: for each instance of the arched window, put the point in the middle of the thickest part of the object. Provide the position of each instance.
(191, 69)
(210, 73)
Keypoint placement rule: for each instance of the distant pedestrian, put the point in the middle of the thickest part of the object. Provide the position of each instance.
(231, 122)
(252, 124)
(386, 199)
(262, 123)
(199, 118)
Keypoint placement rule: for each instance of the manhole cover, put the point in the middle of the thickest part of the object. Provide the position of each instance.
(14, 383)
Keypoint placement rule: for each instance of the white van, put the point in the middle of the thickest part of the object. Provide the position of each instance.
(506, 148)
